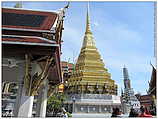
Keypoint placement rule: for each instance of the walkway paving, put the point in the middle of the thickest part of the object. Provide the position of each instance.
(93, 115)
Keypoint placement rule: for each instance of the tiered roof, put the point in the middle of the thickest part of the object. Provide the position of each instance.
(28, 19)
(90, 73)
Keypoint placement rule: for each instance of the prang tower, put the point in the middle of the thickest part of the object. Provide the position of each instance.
(90, 75)
(127, 83)
(129, 99)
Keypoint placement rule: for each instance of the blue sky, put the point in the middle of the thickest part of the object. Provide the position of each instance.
(123, 31)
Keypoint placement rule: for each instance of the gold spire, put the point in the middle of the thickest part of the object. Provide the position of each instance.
(88, 38)
(88, 30)
(90, 75)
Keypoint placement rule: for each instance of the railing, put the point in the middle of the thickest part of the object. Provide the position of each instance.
(90, 96)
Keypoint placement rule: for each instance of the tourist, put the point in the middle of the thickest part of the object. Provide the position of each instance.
(133, 113)
(10, 113)
(113, 112)
(116, 112)
(146, 110)
(4, 114)
(143, 112)
(153, 111)
(65, 113)
(7, 113)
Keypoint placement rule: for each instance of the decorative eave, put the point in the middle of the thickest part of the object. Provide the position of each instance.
(27, 40)
(31, 30)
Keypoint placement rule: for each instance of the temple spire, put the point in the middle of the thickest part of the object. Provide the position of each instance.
(88, 38)
(126, 78)
(88, 30)
(121, 92)
(90, 75)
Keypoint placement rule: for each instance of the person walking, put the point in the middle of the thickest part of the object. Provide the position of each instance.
(116, 112)
(133, 113)
(65, 113)
(143, 112)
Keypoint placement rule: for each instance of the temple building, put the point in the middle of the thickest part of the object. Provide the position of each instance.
(90, 86)
(31, 49)
(152, 83)
(149, 99)
(67, 70)
(153, 90)
(128, 98)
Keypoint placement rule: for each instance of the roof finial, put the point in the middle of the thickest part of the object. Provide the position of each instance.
(67, 6)
(121, 92)
(151, 64)
(88, 20)
(124, 66)
(88, 7)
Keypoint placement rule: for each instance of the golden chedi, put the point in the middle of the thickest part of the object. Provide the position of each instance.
(90, 76)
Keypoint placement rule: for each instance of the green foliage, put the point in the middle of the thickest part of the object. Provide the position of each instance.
(55, 103)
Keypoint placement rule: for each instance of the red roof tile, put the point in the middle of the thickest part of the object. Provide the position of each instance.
(28, 19)
(64, 64)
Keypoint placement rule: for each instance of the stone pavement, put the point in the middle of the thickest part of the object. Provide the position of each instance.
(93, 115)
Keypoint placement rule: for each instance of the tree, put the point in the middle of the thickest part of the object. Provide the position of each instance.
(55, 103)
